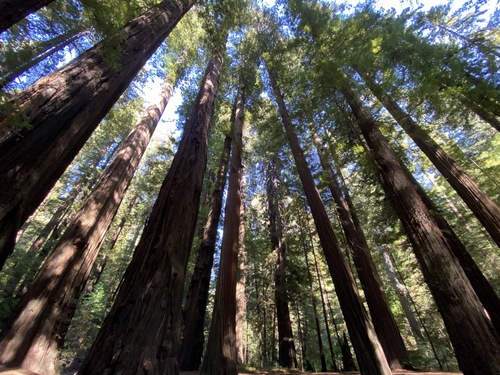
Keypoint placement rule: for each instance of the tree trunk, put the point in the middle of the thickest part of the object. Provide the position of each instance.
(221, 356)
(191, 349)
(39, 327)
(141, 334)
(476, 344)
(365, 342)
(380, 312)
(481, 205)
(54, 45)
(482, 113)
(63, 109)
(406, 299)
(13, 11)
(303, 347)
(241, 299)
(286, 345)
(315, 312)
(402, 293)
(325, 315)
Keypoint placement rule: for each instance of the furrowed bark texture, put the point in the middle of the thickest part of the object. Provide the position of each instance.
(38, 329)
(63, 109)
(380, 312)
(368, 350)
(481, 205)
(13, 11)
(141, 334)
(221, 356)
(476, 345)
(478, 281)
(197, 296)
(286, 346)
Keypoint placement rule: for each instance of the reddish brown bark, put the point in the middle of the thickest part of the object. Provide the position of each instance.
(13, 11)
(44, 313)
(476, 345)
(221, 356)
(63, 109)
(141, 334)
(380, 312)
(191, 349)
(286, 346)
(368, 350)
(483, 207)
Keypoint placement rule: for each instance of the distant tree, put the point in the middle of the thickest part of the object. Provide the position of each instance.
(221, 355)
(286, 345)
(191, 351)
(380, 311)
(368, 350)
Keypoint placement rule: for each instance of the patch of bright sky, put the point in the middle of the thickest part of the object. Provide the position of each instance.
(169, 120)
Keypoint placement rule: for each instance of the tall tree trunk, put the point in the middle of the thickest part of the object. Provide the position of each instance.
(302, 343)
(241, 299)
(380, 312)
(481, 205)
(482, 113)
(476, 344)
(53, 46)
(13, 11)
(315, 311)
(481, 286)
(141, 333)
(368, 350)
(325, 315)
(402, 294)
(44, 313)
(286, 345)
(221, 356)
(191, 349)
(403, 291)
(63, 109)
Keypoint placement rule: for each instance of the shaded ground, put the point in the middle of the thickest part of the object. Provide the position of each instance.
(398, 372)
(4, 371)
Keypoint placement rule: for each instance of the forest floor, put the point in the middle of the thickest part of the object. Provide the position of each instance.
(294, 372)
(14, 371)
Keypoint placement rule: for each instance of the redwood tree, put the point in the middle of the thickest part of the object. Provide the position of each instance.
(476, 344)
(286, 346)
(221, 356)
(141, 334)
(191, 349)
(380, 311)
(483, 207)
(39, 326)
(368, 350)
(63, 109)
